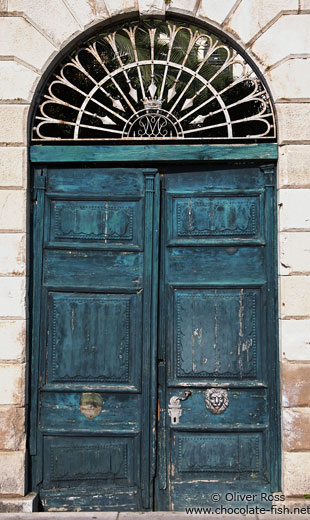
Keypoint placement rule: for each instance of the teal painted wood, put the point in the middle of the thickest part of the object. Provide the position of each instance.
(161, 497)
(95, 331)
(273, 332)
(37, 218)
(146, 462)
(91, 305)
(218, 330)
(154, 333)
(158, 152)
(37, 240)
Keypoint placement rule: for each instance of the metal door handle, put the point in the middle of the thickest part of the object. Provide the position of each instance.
(187, 394)
(175, 409)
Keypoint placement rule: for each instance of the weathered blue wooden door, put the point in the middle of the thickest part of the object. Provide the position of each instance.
(95, 351)
(92, 327)
(217, 346)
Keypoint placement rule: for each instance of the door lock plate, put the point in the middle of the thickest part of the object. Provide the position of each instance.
(175, 408)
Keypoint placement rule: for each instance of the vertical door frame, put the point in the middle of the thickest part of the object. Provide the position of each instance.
(37, 222)
(263, 154)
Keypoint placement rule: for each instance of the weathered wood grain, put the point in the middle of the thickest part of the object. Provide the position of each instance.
(152, 153)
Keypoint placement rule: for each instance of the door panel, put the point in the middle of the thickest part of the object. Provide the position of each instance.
(116, 407)
(215, 317)
(64, 268)
(227, 320)
(187, 263)
(109, 221)
(249, 405)
(94, 338)
(210, 216)
(97, 460)
(94, 442)
(202, 455)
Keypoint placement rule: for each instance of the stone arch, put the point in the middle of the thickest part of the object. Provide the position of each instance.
(97, 16)
(261, 37)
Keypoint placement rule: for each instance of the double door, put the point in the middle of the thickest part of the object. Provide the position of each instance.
(154, 352)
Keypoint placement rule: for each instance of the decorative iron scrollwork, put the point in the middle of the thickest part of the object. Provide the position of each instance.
(150, 124)
(154, 80)
(216, 400)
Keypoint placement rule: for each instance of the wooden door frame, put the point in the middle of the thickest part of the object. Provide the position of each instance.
(153, 154)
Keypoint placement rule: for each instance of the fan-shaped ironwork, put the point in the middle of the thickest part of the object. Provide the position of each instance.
(154, 80)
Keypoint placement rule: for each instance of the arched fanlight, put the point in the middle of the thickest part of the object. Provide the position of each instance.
(154, 80)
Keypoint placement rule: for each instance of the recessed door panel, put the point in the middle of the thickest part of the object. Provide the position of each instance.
(110, 222)
(203, 217)
(74, 461)
(215, 333)
(94, 338)
(218, 455)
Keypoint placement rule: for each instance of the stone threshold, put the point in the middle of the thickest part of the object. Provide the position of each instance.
(164, 515)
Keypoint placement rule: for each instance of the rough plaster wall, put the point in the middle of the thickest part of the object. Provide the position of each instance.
(276, 34)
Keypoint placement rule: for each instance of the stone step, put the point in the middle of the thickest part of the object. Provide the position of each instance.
(164, 515)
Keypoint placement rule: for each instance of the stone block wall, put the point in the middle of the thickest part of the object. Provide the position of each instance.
(275, 33)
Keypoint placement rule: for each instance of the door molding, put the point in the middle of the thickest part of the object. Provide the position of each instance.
(153, 152)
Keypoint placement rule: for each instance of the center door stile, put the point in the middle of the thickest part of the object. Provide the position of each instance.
(150, 307)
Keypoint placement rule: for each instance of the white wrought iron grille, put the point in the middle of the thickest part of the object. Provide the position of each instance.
(154, 80)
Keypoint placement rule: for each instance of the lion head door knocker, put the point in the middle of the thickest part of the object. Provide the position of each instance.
(216, 400)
